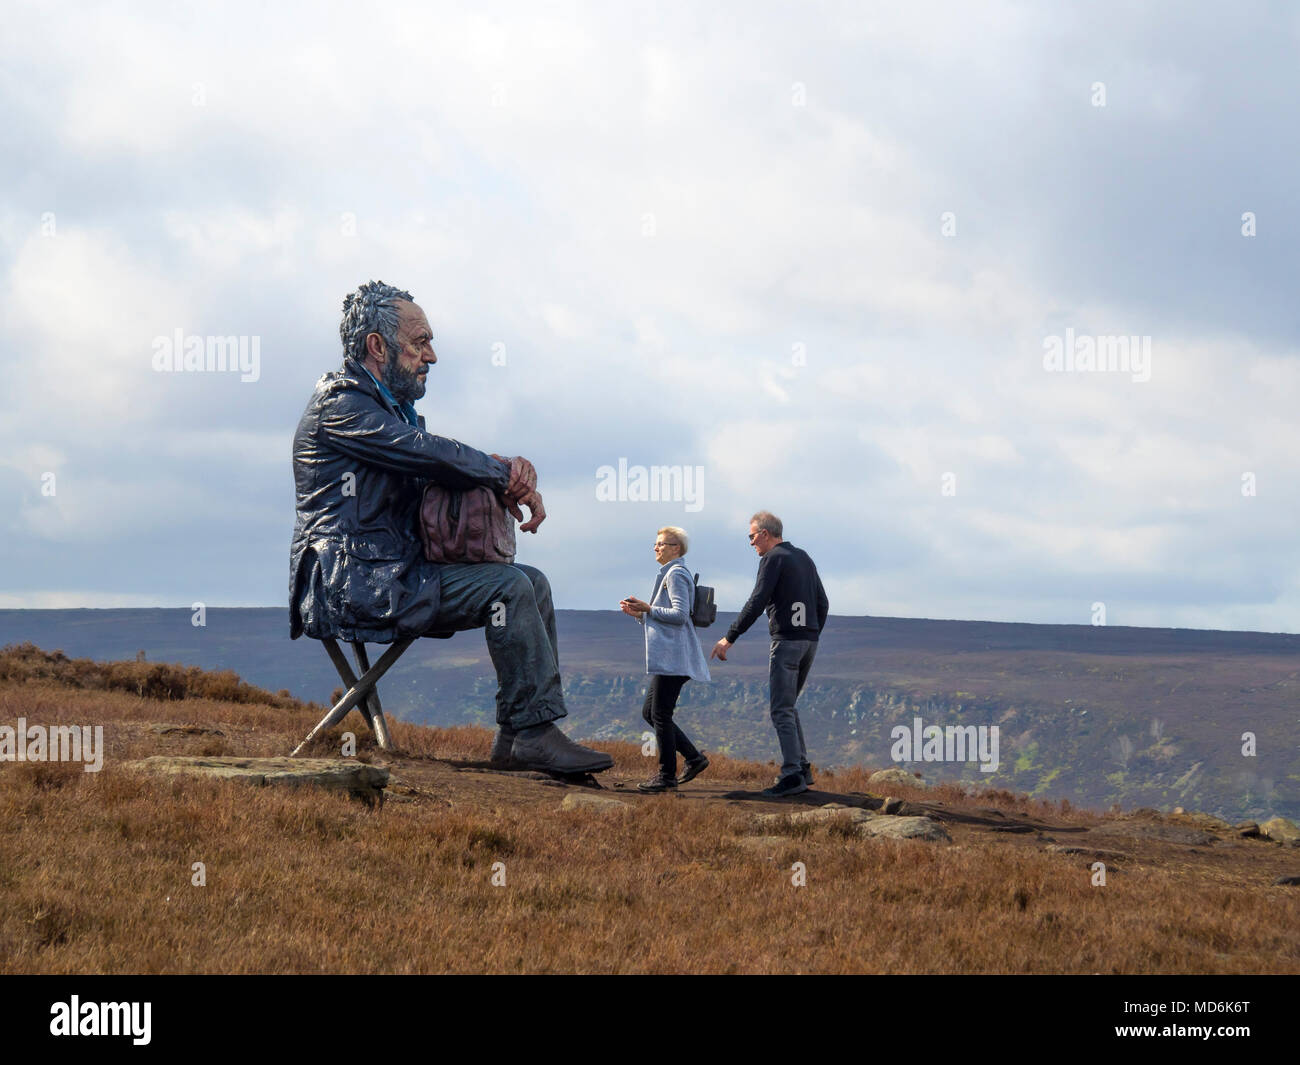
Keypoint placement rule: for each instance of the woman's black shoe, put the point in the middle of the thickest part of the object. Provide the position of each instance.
(658, 782)
(693, 769)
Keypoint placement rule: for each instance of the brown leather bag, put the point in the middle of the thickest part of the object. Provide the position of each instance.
(465, 525)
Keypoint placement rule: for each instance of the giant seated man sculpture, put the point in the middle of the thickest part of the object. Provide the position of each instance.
(361, 458)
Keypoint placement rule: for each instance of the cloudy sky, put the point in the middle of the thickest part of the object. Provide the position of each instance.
(820, 252)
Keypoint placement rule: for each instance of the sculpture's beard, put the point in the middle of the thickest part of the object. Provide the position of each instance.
(406, 385)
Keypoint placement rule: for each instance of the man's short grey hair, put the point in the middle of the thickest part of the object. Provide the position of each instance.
(372, 308)
(678, 534)
(765, 519)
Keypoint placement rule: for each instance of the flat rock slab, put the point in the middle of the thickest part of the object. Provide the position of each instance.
(598, 803)
(1188, 837)
(904, 828)
(356, 778)
(865, 823)
(853, 814)
(166, 729)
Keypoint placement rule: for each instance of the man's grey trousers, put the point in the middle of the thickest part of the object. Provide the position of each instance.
(788, 667)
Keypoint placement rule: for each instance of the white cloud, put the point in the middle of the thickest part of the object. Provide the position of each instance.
(634, 204)
(85, 311)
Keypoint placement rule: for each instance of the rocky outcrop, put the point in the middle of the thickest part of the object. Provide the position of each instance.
(905, 828)
(1280, 830)
(357, 779)
(1199, 820)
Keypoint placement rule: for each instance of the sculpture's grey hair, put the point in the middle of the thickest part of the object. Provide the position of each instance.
(765, 519)
(372, 308)
(678, 534)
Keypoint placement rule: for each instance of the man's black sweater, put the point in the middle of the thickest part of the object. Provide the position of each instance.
(789, 589)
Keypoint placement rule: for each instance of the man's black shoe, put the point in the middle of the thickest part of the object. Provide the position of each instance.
(658, 782)
(791, 785)
(806, 769)
(693, 769)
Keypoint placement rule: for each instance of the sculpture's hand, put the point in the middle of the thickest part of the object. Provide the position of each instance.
(523, 478)
(536, 511)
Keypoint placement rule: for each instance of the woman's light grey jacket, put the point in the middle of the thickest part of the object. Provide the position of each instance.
(672, 646)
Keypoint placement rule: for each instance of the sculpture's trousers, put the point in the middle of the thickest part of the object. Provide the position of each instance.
(512, 603)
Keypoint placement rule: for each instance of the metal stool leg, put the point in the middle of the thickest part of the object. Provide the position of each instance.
(347, 676)
(359, 691)
(373, 711)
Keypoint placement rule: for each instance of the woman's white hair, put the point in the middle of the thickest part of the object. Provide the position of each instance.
(677, 534)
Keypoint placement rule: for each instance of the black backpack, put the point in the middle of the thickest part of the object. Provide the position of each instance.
(705, 611)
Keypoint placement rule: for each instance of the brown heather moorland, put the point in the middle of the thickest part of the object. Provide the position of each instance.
(96, 868)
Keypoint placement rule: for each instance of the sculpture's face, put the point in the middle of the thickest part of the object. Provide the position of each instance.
(405, 374)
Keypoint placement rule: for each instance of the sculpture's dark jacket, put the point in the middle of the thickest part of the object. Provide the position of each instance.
(356, 565)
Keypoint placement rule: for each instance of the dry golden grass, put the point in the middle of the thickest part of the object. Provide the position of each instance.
(96, 869)
(154, 680)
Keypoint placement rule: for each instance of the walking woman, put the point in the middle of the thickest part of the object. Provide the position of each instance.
(673, 656)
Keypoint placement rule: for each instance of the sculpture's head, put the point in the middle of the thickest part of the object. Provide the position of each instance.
(387, 332)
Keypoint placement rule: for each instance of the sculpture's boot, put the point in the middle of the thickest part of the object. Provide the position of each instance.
(505, 739)
(546, 748)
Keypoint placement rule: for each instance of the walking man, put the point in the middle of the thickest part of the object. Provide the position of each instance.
(791, 592)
